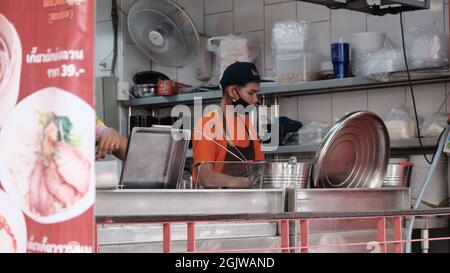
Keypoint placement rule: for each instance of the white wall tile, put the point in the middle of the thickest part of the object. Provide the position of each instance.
(103, 10)
(269, 73)
(186, 75)
(433, 17)
(134, 62)
(219, 24)
(259, 36)
(389, 24)
(248, 15)
(269, 2)
(170, 72)
(428, 98)
(345, 102)
(323, 38)
(346, 22)
(315, 108)
(447, 90)
(215, 6)
(103, 48)
(126, 4)
(195, 10)
(312, 12)
(446, 25)
(276, 13)
(288, 107)
(380, 101)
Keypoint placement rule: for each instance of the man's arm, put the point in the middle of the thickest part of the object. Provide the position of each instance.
(208, 178)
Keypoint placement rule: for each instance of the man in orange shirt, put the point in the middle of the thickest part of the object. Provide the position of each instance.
(227, 135)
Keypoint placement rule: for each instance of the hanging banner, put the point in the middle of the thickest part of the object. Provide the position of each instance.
(47, 126)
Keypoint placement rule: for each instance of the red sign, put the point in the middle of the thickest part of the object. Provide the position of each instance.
(47, 126)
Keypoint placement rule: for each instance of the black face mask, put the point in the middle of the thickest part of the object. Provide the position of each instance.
(240, 105)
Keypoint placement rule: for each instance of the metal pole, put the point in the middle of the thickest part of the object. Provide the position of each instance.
(398, 247)
(304, 235)
(425, 243)
(381, 234)
(191, 236)
(285, 236)
(167, 240)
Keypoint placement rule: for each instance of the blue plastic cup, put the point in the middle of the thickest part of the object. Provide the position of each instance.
(340, 53)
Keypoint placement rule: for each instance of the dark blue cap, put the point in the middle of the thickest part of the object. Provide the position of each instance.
(241, 73)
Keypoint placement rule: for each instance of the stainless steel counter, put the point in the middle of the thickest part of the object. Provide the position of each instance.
(346, 231)
(210, 235)
(170, 202)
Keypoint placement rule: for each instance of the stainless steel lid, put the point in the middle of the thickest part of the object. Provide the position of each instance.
(353, 154)
(155, 158)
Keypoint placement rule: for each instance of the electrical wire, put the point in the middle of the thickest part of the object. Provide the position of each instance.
(115, 24)
(412, 91)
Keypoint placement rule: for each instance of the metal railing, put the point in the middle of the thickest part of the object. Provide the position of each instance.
(304, 220)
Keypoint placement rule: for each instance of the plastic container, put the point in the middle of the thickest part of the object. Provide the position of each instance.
(107, 174)
(326, 70)
(398, 174)
(312, 133)
(293, 36)
(298, 67)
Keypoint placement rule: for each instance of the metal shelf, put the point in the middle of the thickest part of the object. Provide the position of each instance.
(173, 100)
(306, 88)
(382, 8)
(398, 144)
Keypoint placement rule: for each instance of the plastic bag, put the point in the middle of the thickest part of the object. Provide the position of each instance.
(400, 123)
(312, 133)
(426, 47)
(385, 60)
(232, 48)
(293, 36)
(434, 125)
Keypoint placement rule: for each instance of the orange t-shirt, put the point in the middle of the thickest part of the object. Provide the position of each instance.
(211, 127)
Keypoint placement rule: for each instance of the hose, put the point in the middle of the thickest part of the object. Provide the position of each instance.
(430, 173)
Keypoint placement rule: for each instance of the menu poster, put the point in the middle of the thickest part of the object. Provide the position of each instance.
(47, 126)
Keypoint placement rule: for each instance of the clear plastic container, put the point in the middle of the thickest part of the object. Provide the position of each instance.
(312, 133)
(298, 67)
(107, 174)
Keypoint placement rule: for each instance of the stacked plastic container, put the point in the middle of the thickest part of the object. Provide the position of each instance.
(294, 51)
(436, 193)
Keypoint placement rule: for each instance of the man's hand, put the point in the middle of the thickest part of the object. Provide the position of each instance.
(108, 143)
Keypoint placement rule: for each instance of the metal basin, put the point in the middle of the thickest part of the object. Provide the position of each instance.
(286, 174)
(354, 153)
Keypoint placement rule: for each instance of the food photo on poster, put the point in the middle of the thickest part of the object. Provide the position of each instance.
(54, 182)
(12, 227)
(10, 67)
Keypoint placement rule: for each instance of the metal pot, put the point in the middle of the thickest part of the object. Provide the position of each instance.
(149, 77)
(144, 90)
(398, 174)
(286, 174)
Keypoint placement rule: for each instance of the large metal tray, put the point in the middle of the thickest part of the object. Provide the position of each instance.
(155, 158)
(353, 154)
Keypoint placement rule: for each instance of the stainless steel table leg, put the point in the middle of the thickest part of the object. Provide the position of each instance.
(424, 234)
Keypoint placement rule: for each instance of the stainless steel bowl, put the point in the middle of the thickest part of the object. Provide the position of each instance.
(144, 90)
(398, 175)
(286, 174)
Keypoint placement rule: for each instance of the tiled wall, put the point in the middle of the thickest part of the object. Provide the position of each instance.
(221, 17)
